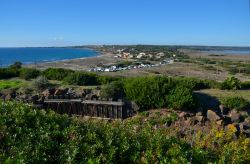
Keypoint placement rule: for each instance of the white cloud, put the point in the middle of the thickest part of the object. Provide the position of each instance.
(58, 38)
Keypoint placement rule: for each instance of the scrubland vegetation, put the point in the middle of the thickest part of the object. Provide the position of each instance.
(29, 135)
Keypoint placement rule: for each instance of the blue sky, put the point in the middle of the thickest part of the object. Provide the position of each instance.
(79, 22)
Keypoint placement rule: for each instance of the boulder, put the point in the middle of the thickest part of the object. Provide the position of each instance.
(48, 92)
(8, 97)
(91, 96)
(24, 97)
(227, 120)
(219, 122)
(247, 133)
(8, 91)
(134, 106)
(183, 115)
(59, 92)
(200, 118)
(212, 116)
(223, 110)
(34, 98)
(235, 116)
(199, 114)
(85, 92)
(244, 126)
(3, 97)
(70, 91)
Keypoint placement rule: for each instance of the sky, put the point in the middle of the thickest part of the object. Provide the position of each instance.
(29, 23)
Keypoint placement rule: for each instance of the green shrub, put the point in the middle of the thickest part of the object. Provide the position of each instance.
(56, 73)
(237, 103)
(181, 98)
(245, 85)
(41, 83)
(6, 73)
(194, 83)
(29, 73)
(107, 79)
(16, 65)
(148, 92)
(35, 136)
(153, 92)
(231, 83)
(113, 90)
(82, 78)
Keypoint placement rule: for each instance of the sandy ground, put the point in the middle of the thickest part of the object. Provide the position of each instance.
(79, 64)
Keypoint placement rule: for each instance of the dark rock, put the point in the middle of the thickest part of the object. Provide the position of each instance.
(91, 96)
(212, 116)
(223, 110)
(70, 91)
(227, 120)
(187, 122)
(85, 92)
(247, 133)
(245, 125)
(219, 122)
(48, 92)
(34, 99)
(8, 91)
(199, 114)
(134, 106)
(60, 92)
(8, 97)
(235, 116)
(3, 97)
(200, 118)
(183, 115)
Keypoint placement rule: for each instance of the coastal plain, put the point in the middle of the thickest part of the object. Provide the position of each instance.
(178, 68)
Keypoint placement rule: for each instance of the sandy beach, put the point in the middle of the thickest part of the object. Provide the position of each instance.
(79, 63)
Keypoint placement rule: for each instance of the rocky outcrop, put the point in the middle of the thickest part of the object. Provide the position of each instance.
(212, 116)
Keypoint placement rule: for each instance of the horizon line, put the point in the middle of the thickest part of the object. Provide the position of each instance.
(184, 45)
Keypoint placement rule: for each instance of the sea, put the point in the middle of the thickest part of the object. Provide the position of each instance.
(37, 55)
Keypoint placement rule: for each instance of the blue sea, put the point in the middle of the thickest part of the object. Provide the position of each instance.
(34, 55)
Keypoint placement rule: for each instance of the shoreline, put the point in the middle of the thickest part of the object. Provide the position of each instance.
(84, 63)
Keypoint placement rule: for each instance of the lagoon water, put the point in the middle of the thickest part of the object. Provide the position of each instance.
(33, 55)
(230, 52)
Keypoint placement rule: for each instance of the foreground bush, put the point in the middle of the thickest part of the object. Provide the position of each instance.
(29, 73)
(113, 90)
(36, 136)
(231, 83)
(6, 73)
(245, 85)
(237, 103)
(56, 73)
(41, 83)
(181, 98)
(82, 78)
(148, 92)
(159, 92)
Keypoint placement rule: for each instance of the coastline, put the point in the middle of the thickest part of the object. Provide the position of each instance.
(84, 63)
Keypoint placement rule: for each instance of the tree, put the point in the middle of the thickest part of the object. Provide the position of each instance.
(231, 83)
(16, 65)
(41, 83)
(113, 90)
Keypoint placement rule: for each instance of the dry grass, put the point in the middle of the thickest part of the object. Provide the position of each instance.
(225, 93)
